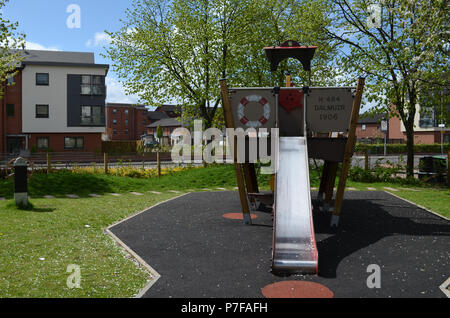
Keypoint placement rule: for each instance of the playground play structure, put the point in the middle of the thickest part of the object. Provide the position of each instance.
(312, 122)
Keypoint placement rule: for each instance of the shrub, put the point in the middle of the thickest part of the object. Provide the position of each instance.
(378, 149)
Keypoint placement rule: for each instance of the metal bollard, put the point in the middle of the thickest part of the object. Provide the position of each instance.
(20, 182)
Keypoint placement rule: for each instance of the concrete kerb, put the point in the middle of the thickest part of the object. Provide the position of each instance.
(154, 275)
(419, 206)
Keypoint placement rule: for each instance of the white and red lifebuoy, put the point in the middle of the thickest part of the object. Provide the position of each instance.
(256, 123)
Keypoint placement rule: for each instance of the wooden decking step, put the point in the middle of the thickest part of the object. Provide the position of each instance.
(264, 197)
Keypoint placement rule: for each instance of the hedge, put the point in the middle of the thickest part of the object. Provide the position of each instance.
(378, 149)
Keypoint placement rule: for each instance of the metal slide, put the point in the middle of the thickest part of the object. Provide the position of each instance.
(294, 246)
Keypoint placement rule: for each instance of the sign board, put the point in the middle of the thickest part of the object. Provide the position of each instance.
(253, 107)
(329, 109)
(441, 125)
(384, 126)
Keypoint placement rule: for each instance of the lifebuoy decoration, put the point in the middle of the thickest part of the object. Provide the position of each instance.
(256, 123)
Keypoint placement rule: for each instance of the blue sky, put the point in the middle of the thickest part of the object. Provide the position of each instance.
(44, 23)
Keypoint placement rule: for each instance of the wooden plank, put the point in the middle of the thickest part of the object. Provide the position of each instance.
(331, 180)
(348, 152)
(229, 123)
(251, 178)
(323, 180)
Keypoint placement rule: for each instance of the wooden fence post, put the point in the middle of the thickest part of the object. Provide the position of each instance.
(366, 160)
(158, 162)
(105, 161)
(49, 163)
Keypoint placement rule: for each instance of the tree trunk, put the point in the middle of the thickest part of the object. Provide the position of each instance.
(410, 149)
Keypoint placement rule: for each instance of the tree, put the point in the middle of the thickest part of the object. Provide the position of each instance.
(178, 49)
(9, 41)
(398, 45)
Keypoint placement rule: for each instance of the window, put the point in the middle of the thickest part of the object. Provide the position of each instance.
(92, 85)
(114, 111)
(73, 142)
(126, 111)
(428, 118)
(42, 142)
(10, 80)
(10, 110)
(41, 111)
(126, 131)
(114, 131)
(115, 121)
(91, 115)
(363, 127)
(42, 79)
(126, 122)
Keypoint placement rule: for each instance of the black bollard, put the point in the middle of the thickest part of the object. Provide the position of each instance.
(20, 182)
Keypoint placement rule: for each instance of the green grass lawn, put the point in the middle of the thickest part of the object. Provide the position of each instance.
(83, 184)
(56, 228)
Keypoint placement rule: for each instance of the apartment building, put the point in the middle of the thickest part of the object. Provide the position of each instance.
(426, 127)
(55, 102)
(126, 121)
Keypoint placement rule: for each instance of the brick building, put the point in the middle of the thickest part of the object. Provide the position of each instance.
(426, 128)
(368, 128)
(55, 102)
(126, 121)
(168, 125)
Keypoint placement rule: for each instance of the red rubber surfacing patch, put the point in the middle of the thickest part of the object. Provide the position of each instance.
(297, 289)
(238, 216)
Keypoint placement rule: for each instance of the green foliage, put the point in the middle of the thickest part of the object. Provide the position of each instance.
(401, 58)
(9, 40)
(381, 175)
(181, 48)
(400, 148)
(159, 132)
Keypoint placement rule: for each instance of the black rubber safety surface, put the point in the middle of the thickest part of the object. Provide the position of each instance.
(198, 253)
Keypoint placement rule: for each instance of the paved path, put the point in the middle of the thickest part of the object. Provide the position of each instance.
(200, 254)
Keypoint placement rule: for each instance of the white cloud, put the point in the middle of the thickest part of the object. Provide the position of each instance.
(116, 93)
(36, 46)
(100, 39)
